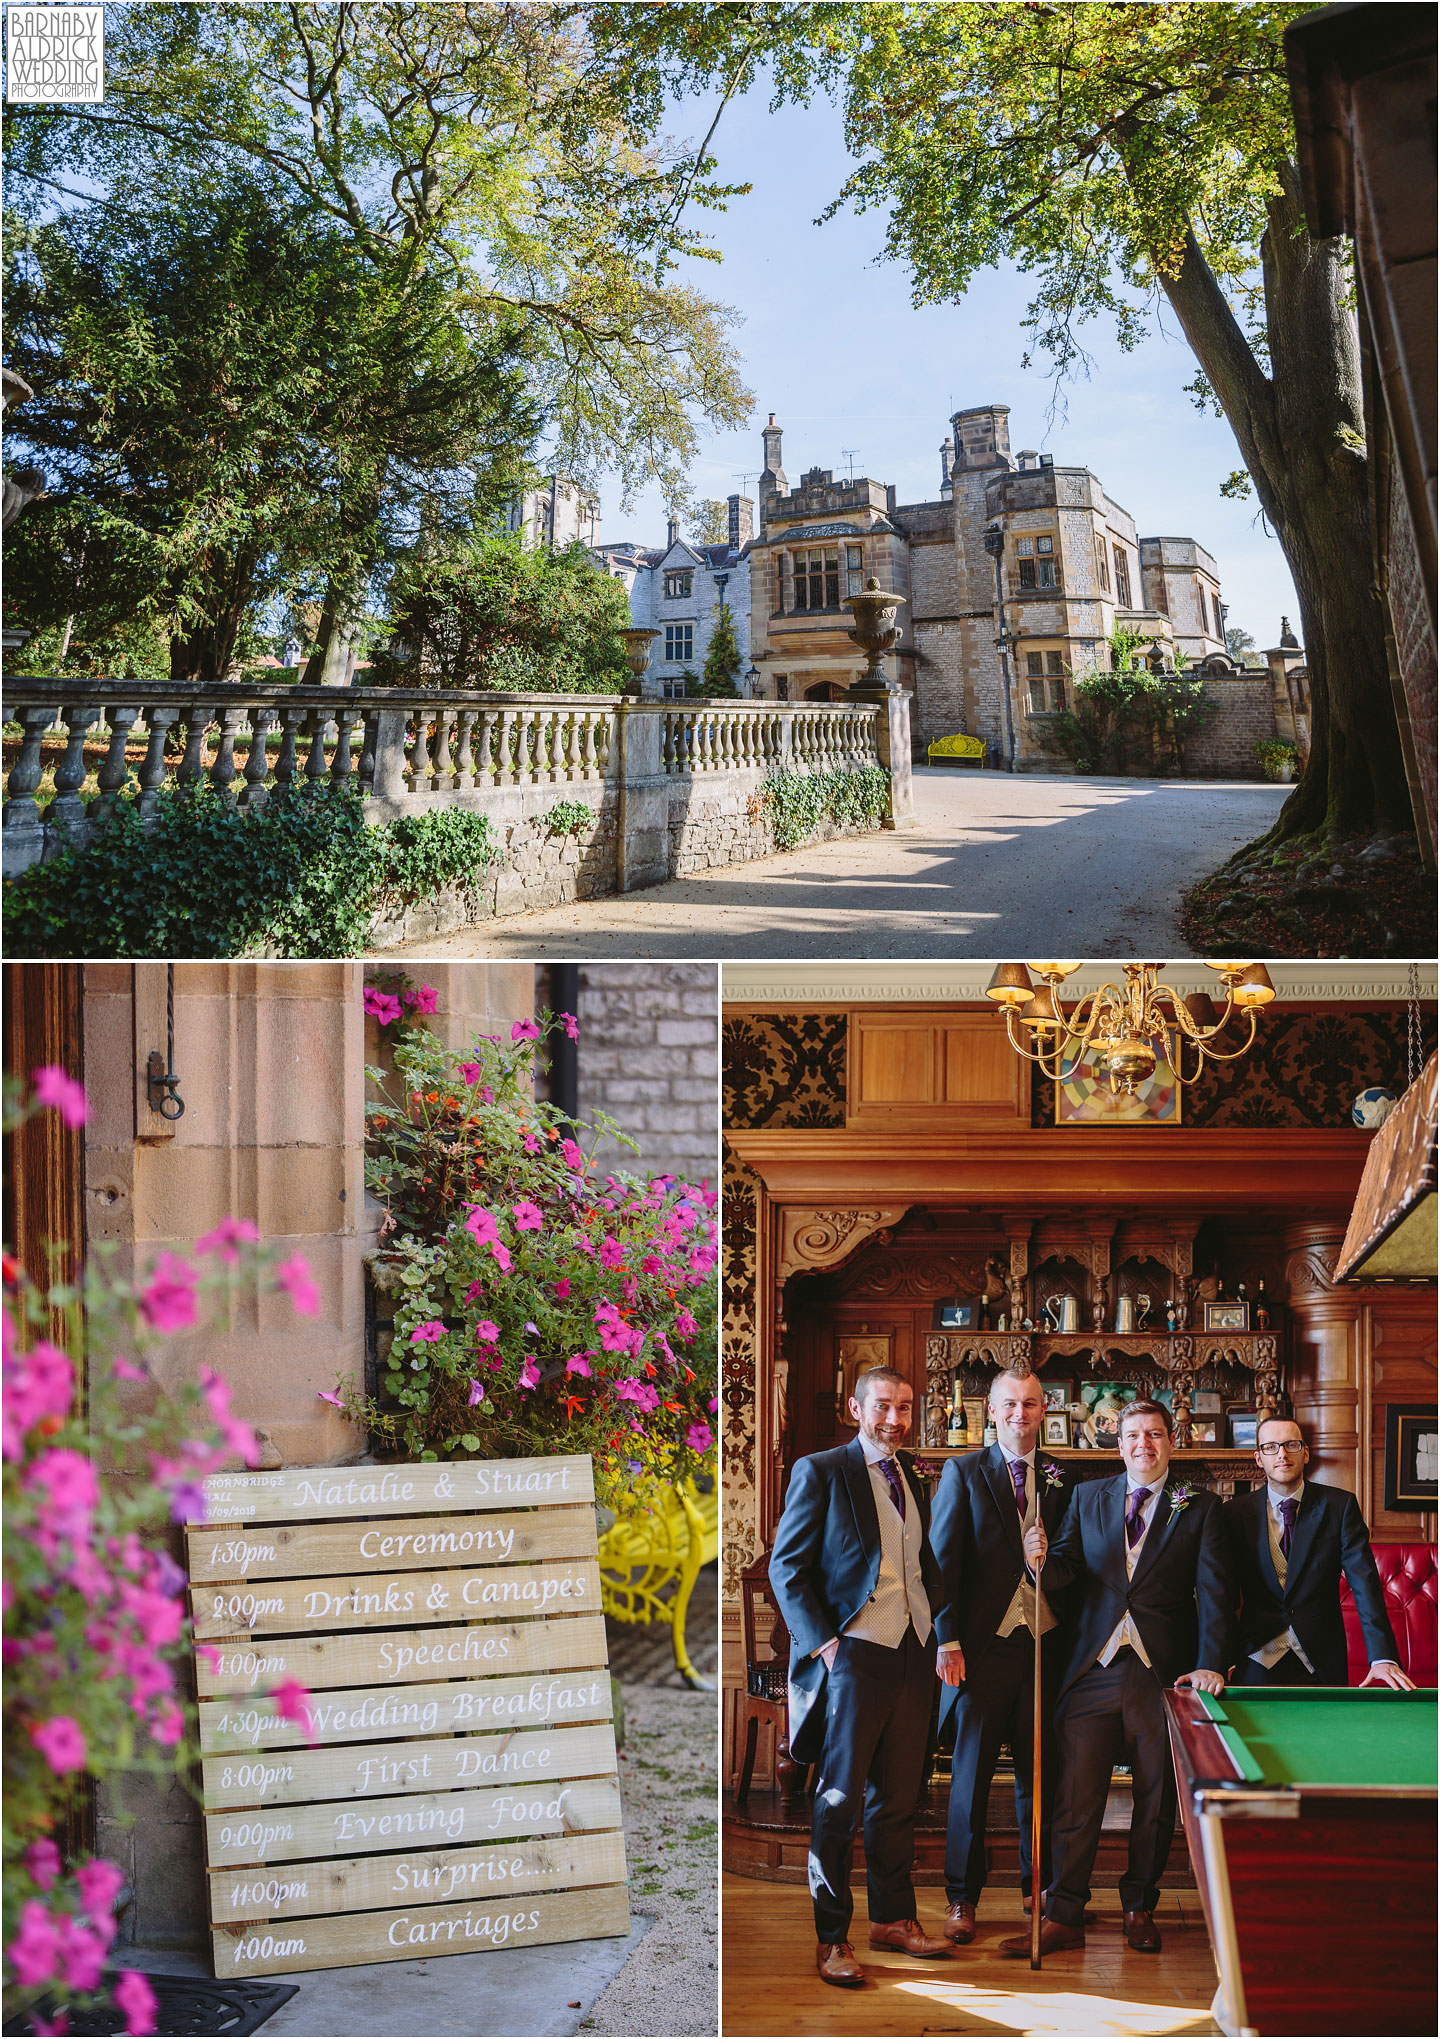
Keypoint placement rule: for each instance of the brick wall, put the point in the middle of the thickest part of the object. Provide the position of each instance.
(1223, 747)
(649, 1057)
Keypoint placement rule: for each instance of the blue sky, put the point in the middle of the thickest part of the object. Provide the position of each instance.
(831, 343)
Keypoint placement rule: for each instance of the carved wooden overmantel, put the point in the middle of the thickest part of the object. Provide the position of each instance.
(1107, 1201)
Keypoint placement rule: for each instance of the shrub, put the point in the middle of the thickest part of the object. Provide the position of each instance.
(569, 817)
(302, 875)
(1274, 754)
(1126, 718)
(538, 1307)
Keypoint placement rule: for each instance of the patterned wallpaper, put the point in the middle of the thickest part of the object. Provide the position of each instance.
(784, 1069)
(737, 1376)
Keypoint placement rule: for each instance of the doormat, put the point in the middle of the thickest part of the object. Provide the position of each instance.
(185, 2004)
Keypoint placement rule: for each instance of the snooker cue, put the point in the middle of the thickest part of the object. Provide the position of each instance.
(1035, 1823)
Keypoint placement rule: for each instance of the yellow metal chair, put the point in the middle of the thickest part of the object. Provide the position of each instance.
(650, 1558)
(960, 750)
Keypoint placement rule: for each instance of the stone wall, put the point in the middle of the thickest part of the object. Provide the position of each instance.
(649, 1057)
(1224, 745)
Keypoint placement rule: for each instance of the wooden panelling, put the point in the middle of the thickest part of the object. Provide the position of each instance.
(925, 1068)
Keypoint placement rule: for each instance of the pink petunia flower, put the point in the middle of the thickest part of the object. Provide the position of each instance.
(562, 1289)
(422, 999)
(168, 1304)
(700, 1437)
(472, 1072)
(34, 1953)
(573, 1158)
(571, 1025)
(525, 1030)
(639, 1392)
(532, 1145)
(486, 1332)
(60, 1093)
(61, 1743)
(501, 1256)
(135, 2000)
(68, 1479)
(293, 1275)
(428, 1334)
(578, 1363)
(477, 1395)
(612, 1253)
(380, 1005)
(82, 1954)
(482, 1225)
(530, 1375)
(528, 1217)
(100, 1882)
(292, 1702)
(685, 1325)
(334, 1400)
(42, 1859)
(229, 1234)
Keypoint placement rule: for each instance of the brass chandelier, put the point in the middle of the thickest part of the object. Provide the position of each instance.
(1125, 1032)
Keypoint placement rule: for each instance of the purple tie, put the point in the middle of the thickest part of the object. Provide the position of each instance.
(1017, 1474)
(1287, 1524)
(1134, 1526)
(894, 1482)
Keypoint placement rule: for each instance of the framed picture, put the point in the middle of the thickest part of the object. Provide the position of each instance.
(957, 1315)
(1104, 1403)
(1057, 1429)
(1203, 1430)
(1227, 1316)
(1058, 1396)
(1207, 1402)
(977, 1415)
(1412, 1455)
(1083, 1097)
(854, 1356)
(1242, 1425)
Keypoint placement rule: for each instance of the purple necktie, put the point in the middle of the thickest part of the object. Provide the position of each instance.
(1134, 1526)
(1017, 1474)
(1287, 1524)
(894, 1482)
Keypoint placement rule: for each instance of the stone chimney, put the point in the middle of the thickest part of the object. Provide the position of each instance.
(672, 533)
(982, 436)
(742, 522)
(772, 478)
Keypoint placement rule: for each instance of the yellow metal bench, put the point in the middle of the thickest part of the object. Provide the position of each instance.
(963, 750)
(650, 1558)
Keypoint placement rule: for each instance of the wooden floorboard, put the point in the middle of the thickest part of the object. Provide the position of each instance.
(769, 1985)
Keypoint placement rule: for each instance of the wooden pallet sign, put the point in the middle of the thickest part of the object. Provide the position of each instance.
(456, 1788)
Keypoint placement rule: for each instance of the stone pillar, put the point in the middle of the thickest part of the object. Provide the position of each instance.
(643, 849)
(390, 762)
(1329, 1378)
(892, 740)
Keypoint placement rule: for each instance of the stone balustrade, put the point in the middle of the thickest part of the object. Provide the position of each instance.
(671, 784)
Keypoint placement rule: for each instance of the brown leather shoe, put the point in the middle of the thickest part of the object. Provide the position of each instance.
(959, 1926)
(909, 1936)
(835, 1963)
(1142, 1932)
(1054, 1939)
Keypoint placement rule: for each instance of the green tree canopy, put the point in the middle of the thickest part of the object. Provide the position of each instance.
(1122, 154)
(486, 611)
(231, 402)
(722, 659)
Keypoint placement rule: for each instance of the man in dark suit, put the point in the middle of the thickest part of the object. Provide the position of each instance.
(1290, 1540)
(855, 1579)
(1148, 1556)
(983, 1506)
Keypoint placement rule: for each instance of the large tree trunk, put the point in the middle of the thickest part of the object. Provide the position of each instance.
(1301, 431)
(337, 640)
(204, 655)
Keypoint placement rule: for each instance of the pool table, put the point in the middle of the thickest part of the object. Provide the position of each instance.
(1310, 1816)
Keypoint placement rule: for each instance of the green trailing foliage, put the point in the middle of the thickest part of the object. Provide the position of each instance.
(798, 803)
(569, 817)
(1276, 754)
(301, 876)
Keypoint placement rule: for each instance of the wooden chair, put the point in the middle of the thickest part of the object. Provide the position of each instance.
(767, 1662)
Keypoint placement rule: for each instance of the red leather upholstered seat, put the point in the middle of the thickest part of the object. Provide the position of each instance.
(1407, 1572)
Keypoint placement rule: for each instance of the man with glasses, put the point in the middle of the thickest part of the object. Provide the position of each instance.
(1290, 1540)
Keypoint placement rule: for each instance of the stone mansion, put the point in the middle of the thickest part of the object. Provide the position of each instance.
(1014, 577)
